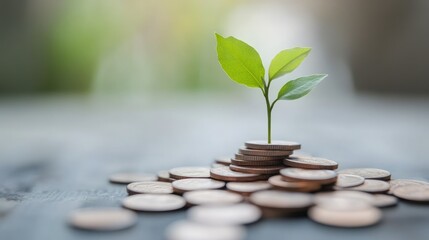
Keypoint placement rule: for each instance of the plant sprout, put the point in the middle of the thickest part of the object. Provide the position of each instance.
(243, 65)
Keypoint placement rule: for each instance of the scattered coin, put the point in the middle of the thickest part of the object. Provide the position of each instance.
(189, 172)
(352, 217)
(192, 184)
(341, 203)
(154, 202)
(310, 163)
(364, 197)
(226, 174)
(204, 197)
(348, 180)
(246, 188)
(405, 182)
(223, 160)
(281, 200)
(317, 176)
(239, 162)
(239, 156)
(368, 173)
(257, 169)
(255, 152)
(274, 145)
(102, 219)
(369, 185)
(164, 176)
(149, 187)
(241, 213)
(416, 193)
(383, 200)
(187, 230)
(295, 186)
(129, 177)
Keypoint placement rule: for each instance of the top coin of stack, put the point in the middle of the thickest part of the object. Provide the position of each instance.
(261, 157)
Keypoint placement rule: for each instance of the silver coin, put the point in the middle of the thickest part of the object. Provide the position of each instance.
(102, 219)
(350, 218)
(209, 197)
(348, 180)
(369, 185)
(394, 183)
(192, 184)
(129, 177)
(235, 214)
(149, 187)
(189, 172)
(187, 230)
(275, 199)
(154, 202)
(368, 173)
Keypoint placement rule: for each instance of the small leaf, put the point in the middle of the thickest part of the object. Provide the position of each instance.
(240, 61)
(287, 61)
(299, 87)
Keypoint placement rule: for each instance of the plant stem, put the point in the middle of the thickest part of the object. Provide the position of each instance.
(269, 109)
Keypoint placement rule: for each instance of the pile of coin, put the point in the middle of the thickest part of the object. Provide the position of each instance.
(261, 181)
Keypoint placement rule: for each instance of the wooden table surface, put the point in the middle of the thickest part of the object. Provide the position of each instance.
(56, 154)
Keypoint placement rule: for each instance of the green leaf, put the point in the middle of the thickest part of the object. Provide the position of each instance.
(287, 61)
(240, 61)
(299, 87)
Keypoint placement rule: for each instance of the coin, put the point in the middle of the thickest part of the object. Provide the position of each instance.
(223, 160)
(255, 152)
(274, 145)
(368, 173)
(189, 172)
(349, 180)
(246, 188)
(192, 184)
(383, 200)
(318, 176)
(204, 197)
(364, 197)
(405, 182)
(310, 163)
(239, 162)
(164, 176)
(188, 230)
(369, 185)
(345, 218)
(257, 169)
(154, 202)
(275, 199)
(241, 213)
(278, 183)
(416, 193)
(149, 187)
(102, 219)
(129, 177)
(226, 174)
(257, 158)
(341, 203)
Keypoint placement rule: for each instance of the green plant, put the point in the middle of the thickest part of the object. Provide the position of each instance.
(243, 65)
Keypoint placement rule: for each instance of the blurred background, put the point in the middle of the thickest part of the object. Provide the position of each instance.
(120, 80)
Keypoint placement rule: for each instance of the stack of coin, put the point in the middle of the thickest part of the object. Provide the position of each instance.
(260, 157)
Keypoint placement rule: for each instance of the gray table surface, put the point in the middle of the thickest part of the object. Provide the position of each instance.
(57, 152)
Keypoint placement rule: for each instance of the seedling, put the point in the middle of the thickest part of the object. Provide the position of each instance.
(243, 65)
